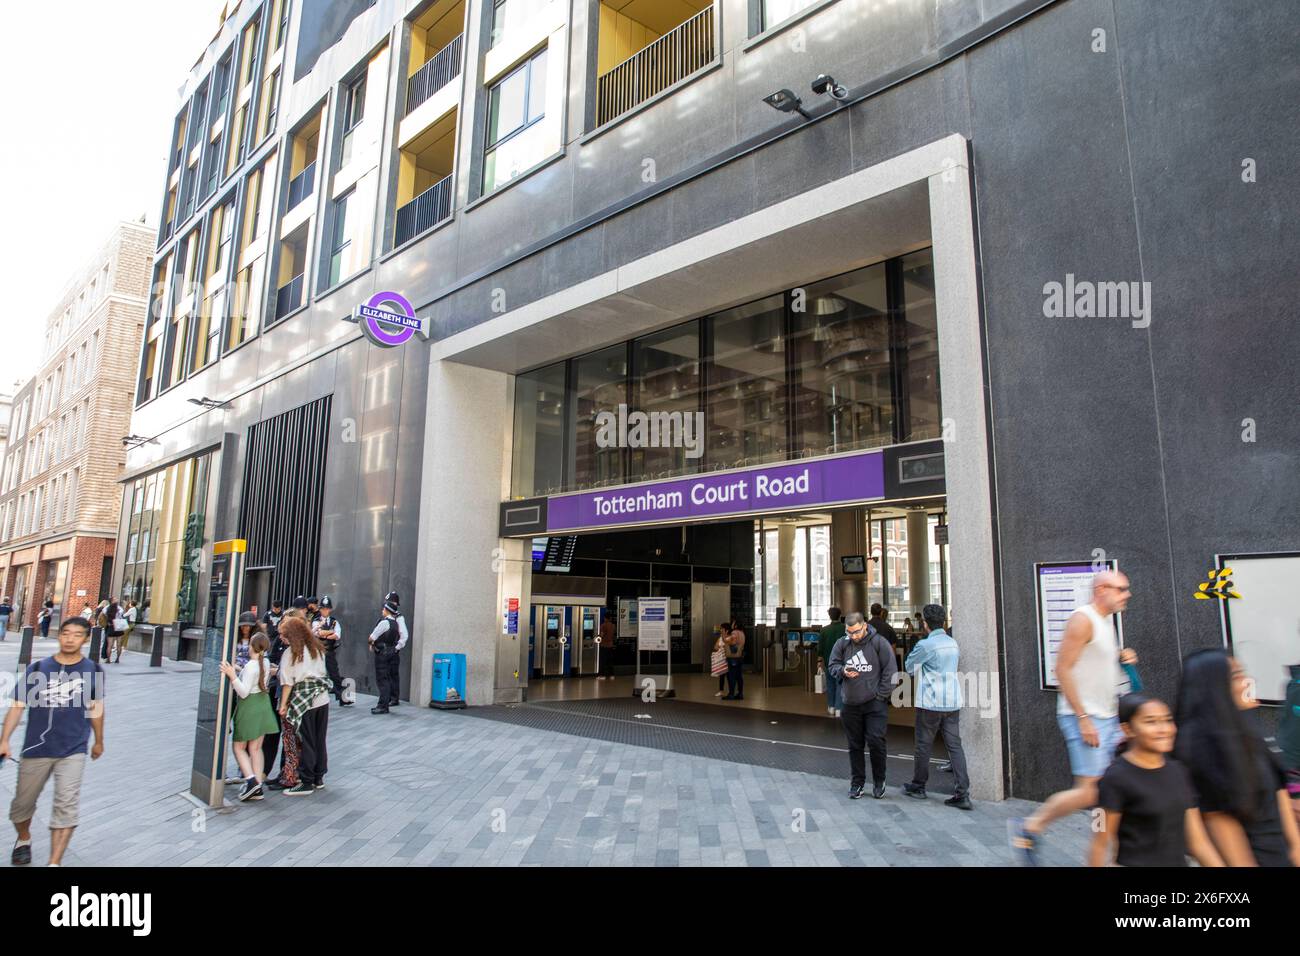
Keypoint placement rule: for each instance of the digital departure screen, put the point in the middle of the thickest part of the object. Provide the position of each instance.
(558, 556)
(539, 553)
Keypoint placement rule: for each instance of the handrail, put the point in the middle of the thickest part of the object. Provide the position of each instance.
(674, 56)
(441, 69)
(424, 211)
(301, 186)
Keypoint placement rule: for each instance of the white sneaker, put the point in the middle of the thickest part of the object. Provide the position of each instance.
(718, 694)
(839, 713)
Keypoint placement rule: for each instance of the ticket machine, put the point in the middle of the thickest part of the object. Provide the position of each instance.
(554, 636)
(587, 621)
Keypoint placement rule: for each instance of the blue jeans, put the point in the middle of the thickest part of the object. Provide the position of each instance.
(4, 625)
(834, 691)
(736, 676)
(1088, 761)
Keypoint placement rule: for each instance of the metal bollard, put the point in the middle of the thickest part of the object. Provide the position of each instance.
(156, 653)
(25, 646)
(96, 640)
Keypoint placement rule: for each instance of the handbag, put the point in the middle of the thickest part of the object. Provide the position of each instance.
(819, 682)
(718, 664)
(120, 623)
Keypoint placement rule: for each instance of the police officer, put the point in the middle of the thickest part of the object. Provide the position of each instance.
(383, 644)
(330, 631)
(313, 610)
(393, 598)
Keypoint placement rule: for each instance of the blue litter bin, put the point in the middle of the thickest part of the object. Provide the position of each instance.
(448, 682)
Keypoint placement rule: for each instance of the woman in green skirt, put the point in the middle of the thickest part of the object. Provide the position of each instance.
(253, 715)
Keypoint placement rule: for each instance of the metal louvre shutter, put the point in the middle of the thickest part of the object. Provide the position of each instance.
(284, 490)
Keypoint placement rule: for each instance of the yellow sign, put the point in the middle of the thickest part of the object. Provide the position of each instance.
(226, 547)
(1217, 584)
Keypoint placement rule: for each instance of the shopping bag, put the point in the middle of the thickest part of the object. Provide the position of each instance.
(819, 682)
(718, 664)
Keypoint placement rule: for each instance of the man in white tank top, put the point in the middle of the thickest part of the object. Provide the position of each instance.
(1087, 709)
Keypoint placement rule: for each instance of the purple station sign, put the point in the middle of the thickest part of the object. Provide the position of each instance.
(777, 487)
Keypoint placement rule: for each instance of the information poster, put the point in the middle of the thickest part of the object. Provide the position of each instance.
(1062, 587)
(652, 624)
(627, 617)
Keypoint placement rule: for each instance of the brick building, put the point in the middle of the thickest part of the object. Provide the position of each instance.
(59, 499)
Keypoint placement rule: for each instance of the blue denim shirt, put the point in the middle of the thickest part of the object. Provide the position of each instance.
(933, 664)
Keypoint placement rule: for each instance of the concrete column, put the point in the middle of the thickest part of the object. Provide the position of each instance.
(787, 592)
(465, 476)
(918, 561)
(966, 464)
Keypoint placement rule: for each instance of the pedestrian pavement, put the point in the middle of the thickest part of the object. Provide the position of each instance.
(447, 788)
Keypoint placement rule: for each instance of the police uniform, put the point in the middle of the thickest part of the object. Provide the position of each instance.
(395, 664)
(383, 642)
(321, 623)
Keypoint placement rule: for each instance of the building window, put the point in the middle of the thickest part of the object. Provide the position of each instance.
(515, 106)
(339, 242)
(774, 12)
(354, 107)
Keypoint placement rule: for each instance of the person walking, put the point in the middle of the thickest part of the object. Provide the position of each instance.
(254, 716)
(64, 697)
(734, 646)
(1087, 708)
(933, 666)
(1240, 785)
(44, 616)
(6, 611)
(1288, 738)
(330, 631)
(865, 662)
(1149, 802)
(395, 662)
(383, 644)
(132, 616)
(304, 703)
(826, 642)
(114, 630)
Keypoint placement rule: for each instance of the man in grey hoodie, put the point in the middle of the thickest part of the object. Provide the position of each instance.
(864, 662)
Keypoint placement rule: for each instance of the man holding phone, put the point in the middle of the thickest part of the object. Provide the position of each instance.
(864, 661)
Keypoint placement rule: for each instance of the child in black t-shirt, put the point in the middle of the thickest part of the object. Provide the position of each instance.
(1148, 799)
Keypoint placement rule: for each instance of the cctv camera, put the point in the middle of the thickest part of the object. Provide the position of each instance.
(827, 84)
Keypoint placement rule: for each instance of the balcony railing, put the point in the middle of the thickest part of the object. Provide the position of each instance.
(301, 186)
(424, 211)
(289, 297)
(674, 56)
(434, 75)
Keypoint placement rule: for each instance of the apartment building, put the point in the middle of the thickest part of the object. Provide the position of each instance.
(411, 255)
(59, 497)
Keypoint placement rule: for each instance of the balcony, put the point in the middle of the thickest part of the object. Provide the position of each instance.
(289, 297)
(301, 186)
(424, 211)
(434, 75)
(673, 57)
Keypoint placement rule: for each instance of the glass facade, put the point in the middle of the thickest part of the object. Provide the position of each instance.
(838, 365)
(165, 537)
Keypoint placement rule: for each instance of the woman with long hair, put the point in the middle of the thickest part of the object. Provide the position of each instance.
(1148, 799)
(1240, 787)
(304, 702)
(253, 716)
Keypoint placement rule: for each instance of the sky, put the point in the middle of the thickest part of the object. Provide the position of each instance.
(94, 90)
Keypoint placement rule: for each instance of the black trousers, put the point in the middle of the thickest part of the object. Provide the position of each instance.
(385, 659)
(928, 722)
(394, 677)
(332, 668)
(271, 742)
(312, 731)
(736, 676)
(865, 726)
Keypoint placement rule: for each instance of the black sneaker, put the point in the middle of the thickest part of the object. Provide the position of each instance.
(258, 793)
(379, 710)
(912, 790)
(945, 767)
(345, 703)
(393, 703)
(960, 801)
(277, 784)
(21, 856)
(321, 785)
(302, 790)
(855, 793)
(878, 791)
(249, 788)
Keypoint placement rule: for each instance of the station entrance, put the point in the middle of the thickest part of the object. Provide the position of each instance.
(774, 576)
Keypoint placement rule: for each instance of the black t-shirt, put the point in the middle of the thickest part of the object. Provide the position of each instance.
(1264, 830)
(1152, 805)
(884, 629)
